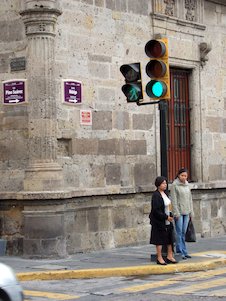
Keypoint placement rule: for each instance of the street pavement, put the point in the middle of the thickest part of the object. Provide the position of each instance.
(207, 253)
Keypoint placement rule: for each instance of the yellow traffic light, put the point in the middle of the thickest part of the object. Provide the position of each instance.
(158, 69)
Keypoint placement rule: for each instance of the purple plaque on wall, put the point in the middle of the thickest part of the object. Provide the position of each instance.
(14, 91)
(72, 92)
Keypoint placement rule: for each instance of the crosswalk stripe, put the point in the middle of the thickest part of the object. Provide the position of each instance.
(49, 295)
(193, 288)
(143, 287)
(173, 280)
(209, 253)
(202, 275)
(218, 293)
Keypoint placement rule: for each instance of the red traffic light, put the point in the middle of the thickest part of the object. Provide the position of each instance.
(155, 49)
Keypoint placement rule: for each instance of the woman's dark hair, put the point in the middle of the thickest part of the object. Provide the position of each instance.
(180, 171)
(159, 181)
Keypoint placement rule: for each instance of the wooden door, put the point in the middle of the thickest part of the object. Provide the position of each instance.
(178, 124)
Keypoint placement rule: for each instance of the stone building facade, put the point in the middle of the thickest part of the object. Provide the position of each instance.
(73, 185)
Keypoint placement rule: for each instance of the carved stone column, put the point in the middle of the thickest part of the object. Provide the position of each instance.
(43, 172)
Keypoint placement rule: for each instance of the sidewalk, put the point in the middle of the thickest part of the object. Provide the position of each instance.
(128, 261)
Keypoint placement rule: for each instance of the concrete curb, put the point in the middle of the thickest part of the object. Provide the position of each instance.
(123, 271)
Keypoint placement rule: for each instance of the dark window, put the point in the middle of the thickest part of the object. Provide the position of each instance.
(178, 124)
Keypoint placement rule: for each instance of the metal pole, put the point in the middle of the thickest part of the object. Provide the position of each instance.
(163, 145)
(163, 138)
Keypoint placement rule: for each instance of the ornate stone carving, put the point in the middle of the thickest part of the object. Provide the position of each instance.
(205, 48)
(188, 11)
(42, 27)
(40, 20)
(190, 6)
(170, 6)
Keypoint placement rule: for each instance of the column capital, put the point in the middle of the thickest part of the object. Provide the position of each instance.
(40, 20)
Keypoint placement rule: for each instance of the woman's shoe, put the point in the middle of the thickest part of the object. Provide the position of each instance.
(161, 263)
(171, 261)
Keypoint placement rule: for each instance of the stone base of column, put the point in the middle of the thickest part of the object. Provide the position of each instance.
(44, 234)
(44, 177)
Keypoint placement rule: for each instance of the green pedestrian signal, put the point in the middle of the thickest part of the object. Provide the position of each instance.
(158, 69)
(133, 85)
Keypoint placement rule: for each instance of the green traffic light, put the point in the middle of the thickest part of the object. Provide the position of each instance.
(156, 89)
(133, 92)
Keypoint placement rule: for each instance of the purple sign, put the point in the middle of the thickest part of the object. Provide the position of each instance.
(14, 91)
(72, 92)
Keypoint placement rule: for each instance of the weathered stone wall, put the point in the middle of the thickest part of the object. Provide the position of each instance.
(209, 207)
(117, 124)
(45, 228)
(109, 166)
(117, 151)
(213, 95)
(123, 140)
(13, 120)
(82, 224)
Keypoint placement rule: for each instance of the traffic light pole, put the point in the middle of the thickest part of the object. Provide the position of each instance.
(163, 145)
(163, 148)
(163, 137)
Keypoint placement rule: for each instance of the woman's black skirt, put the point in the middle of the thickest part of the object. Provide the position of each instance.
(162, 236)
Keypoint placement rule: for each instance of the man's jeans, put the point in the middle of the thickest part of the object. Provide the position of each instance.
(181, 227)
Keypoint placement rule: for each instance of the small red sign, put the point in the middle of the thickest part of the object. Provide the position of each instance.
(85, 117)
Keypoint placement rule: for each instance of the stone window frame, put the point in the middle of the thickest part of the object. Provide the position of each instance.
(176, 12)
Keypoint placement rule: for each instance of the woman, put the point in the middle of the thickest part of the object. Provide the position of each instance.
(182, 209)
(161, 221)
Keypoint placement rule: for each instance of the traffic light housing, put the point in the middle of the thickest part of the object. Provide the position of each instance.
(158, 69)
(133, 84)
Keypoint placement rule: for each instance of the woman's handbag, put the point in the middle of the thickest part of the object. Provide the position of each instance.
(190, 235)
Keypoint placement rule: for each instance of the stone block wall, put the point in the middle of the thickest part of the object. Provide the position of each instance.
(84, 224)
(11, 226)
(13, 120)
(93, 39)
(58, 228)
(117, 150)
(209, 208)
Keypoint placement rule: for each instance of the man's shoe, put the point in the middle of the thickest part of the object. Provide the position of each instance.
(184, 257)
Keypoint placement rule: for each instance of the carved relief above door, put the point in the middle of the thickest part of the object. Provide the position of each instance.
(169, 7)
(187, 10)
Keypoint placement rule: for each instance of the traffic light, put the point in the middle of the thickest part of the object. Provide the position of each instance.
(158, 69)
(133, 87)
